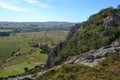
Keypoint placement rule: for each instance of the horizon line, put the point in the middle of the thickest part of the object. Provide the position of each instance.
(42, 21)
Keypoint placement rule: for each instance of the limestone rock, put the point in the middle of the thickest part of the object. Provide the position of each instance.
(58, 47)
(53, 54)
(73, 31)
(93, 57)
(108, 22)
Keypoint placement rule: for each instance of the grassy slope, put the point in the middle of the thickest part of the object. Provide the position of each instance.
(17, 66)
(20, 44)
(7, 46)
(92, 36)
(108, 70)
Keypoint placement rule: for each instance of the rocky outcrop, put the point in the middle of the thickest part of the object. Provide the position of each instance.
(73, 30)
(93, 57)
(108, 22)
(53, 54)
(58, 47)
(107, 19)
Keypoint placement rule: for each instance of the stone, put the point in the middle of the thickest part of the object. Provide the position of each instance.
(115, 44)
(108, 22)
(92, 58)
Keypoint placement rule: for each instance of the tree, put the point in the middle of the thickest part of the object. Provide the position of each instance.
(26, 69)
(45, 49)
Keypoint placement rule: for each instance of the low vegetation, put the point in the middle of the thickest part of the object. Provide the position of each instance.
(108, 70)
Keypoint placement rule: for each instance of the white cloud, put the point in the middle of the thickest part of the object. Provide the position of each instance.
(38, 3)
(32, 1)
(10, 7)
(43, 5)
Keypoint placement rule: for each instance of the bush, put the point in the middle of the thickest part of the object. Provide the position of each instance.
(45, 49)
(26, 69)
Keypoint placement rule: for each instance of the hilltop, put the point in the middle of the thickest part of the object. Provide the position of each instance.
(91, 50)
(99, 30)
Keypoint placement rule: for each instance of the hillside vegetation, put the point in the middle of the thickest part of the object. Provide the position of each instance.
(86, 39)
(108, 70)
(91, 34)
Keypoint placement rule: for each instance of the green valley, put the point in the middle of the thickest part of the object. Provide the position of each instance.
(88, 49)
(23, 50)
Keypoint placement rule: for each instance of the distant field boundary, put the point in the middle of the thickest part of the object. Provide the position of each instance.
(18, 57)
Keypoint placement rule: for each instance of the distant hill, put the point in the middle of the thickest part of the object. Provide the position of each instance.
(35, 26)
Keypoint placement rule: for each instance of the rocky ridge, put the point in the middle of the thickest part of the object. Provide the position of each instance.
(93, 57)
(107, 18)
(53, 54)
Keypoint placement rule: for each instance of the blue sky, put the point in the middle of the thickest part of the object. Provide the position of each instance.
(51, 10)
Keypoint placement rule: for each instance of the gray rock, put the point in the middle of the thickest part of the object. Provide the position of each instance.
(108, 22)
(56, 49)
(73, 30)
(92, 58)
(115, 44)
(53, 54)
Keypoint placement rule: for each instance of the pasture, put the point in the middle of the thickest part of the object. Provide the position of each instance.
(19, 50)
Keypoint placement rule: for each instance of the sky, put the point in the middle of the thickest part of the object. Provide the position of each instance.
(51, 10)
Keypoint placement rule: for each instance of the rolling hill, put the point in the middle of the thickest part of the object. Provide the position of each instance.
(91, 50)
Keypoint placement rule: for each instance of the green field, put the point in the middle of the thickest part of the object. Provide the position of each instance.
(19, 64)
(17, 51)
(6, 30)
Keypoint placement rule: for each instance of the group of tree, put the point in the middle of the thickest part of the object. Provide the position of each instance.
(45, 49)
(4, 34)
